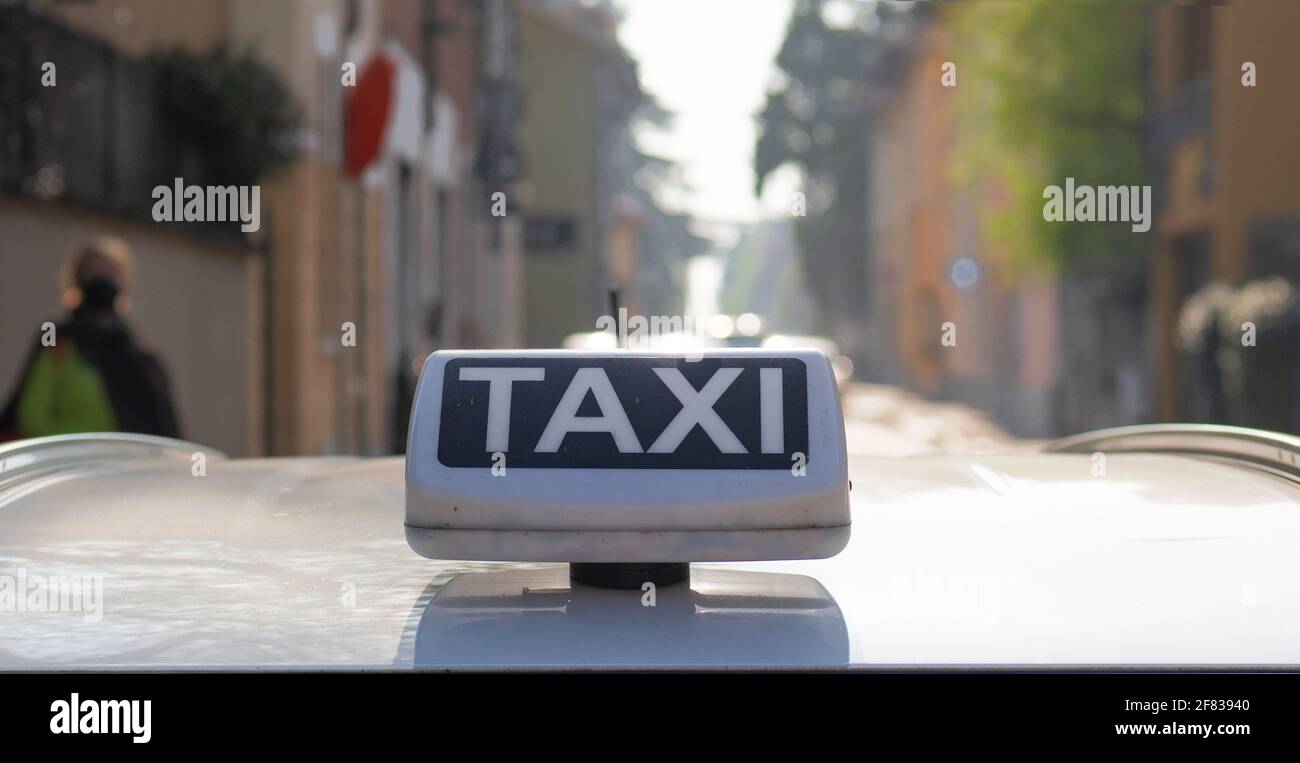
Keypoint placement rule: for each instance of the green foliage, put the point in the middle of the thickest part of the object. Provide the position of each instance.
(231, 109)
(1050, 90)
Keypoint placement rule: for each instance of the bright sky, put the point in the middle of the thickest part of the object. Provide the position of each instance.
(709, 62)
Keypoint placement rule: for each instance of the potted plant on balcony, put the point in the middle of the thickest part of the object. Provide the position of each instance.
(1259, 335)
(232, 114)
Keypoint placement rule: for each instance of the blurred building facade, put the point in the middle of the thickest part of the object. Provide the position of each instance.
(404, 254)
(1225, 160)
(589, 226)
(928, 267)
(566, 267)
(1091, 344)
(79, 159)
(497, 211)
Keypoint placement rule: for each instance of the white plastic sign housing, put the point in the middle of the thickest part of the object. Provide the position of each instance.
(627, 457)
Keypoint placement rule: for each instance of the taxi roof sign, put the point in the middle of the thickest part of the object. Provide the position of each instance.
(627, 457)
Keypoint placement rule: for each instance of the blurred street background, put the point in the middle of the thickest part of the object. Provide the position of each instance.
(487, 173)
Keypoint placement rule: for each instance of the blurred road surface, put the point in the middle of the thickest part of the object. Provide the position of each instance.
(881, 420)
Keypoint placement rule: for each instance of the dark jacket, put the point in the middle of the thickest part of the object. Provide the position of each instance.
(133, 378)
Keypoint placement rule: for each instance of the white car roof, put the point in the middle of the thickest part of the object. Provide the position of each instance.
(1014, 560)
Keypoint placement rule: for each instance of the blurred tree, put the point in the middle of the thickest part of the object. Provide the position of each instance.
(817, 119)
(665, 240)
(1050, 90)
(626, 174)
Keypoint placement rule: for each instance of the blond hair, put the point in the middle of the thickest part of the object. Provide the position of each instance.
(105, 248)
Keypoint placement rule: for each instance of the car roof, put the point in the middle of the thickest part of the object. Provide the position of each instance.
(999, 560)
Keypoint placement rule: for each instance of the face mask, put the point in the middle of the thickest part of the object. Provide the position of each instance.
(99, 293)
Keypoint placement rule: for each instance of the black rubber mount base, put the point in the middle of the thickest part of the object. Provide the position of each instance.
(629, 576)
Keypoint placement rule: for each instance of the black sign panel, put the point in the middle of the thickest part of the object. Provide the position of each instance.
(630, 412)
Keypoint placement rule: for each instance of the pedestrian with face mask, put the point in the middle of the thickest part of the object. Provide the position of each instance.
(90, 375)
